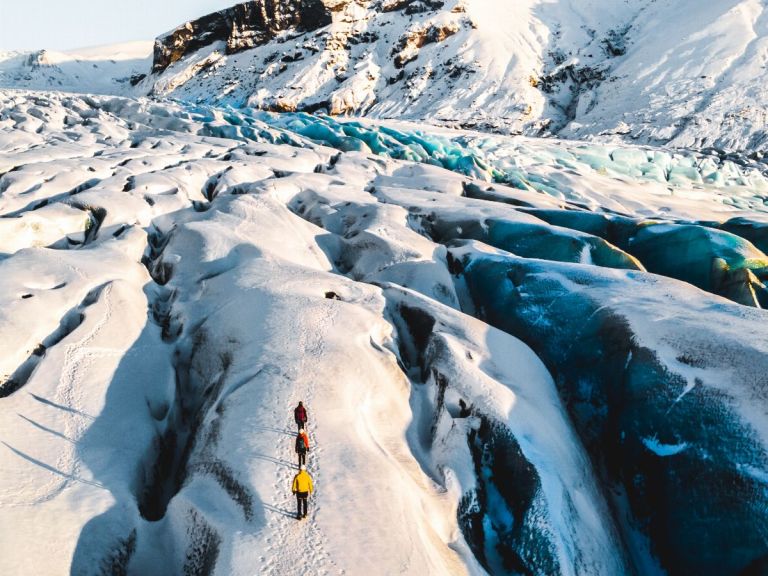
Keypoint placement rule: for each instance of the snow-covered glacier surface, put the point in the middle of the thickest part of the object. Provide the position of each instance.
(519, 356)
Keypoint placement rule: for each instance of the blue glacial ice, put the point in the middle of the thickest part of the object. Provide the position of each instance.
(532, 240)
(711, 259)
(636, 356)
(489, 158)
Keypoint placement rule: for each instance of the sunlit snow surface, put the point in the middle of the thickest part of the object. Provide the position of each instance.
(684, 72)
(518, 355)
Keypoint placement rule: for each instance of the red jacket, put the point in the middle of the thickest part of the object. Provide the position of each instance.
(300, 414)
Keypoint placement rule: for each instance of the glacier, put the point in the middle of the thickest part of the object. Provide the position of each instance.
(519, 355)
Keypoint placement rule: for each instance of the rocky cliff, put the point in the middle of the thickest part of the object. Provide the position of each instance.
(240, 27)
(580, 69)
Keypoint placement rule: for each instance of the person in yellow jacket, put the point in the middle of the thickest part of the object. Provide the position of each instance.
(302, 487)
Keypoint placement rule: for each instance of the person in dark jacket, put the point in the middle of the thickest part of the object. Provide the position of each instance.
(300, 415)
(302, 446)
(302, 487)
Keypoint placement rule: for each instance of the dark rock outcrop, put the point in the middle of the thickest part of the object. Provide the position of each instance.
(408, 46)
(241, 27)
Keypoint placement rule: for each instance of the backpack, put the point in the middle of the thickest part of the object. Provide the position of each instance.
(300, 446)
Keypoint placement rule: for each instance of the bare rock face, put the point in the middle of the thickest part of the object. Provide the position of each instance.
(408, 47)
(336, 5)
(241, 27)
(38, 59)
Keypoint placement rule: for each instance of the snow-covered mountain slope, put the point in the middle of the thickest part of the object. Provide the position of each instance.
(685, 73)
(519, 355)
(677, 72)
(113, 69)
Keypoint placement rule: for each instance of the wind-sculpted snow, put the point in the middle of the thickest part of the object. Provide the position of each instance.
(519, 356)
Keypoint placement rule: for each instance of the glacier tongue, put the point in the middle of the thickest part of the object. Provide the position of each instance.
(508, 366)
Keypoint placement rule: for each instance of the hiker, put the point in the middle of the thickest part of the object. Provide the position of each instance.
(302, 446)
(300, 415)
(302, 487)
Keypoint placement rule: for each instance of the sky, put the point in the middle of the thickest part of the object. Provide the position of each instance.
(67, 24)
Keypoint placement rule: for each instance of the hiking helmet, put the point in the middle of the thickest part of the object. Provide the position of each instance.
(301, 430)
(303, 467)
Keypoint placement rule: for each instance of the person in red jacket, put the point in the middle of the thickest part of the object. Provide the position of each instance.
(300, 415)
(302, 446)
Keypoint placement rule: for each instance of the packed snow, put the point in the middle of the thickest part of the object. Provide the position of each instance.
(460, 312)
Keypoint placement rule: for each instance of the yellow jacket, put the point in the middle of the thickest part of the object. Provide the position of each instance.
(302, 482)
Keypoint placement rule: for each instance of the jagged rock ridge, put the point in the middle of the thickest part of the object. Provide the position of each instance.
(241, 27)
